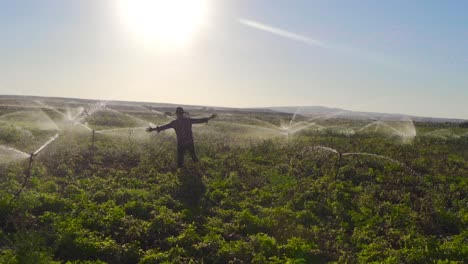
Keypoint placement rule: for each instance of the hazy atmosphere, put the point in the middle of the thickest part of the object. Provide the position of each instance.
(240, 131)
(398, 56)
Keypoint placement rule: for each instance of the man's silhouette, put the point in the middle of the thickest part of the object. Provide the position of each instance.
(183, 128)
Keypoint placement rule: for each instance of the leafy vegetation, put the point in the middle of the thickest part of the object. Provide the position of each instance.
(267, 200)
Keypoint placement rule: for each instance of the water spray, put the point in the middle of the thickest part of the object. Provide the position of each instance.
(14, 151)
(30, 165)
(340, 156)
(406, 133)
(286, 130)
(157, 112)
(50, 108)
(52, 139)
(382, 157)
(130, 116)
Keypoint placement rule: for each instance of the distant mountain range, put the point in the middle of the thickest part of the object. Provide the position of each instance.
(323, 111)
(342, 113)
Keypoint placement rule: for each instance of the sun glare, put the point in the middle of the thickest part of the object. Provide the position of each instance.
(164, 22)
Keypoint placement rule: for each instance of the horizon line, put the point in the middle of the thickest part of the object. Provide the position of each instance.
(234, 107)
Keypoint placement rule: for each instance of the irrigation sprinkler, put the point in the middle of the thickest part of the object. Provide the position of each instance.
(338, 165)
(30, 164)
(26, 178)
(341, 155)
(93, 138)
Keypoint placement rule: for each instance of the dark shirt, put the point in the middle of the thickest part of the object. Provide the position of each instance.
(183, 129)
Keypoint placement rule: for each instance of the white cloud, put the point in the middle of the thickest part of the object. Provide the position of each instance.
(281, 32)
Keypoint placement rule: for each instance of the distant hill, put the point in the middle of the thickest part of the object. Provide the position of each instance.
(302, 110)
(342, 113)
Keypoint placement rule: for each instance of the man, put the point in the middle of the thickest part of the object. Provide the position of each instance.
(183, 128)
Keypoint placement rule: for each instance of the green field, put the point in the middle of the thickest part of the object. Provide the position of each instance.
(269, 188)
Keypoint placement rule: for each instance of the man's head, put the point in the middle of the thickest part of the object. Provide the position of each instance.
(180, 112)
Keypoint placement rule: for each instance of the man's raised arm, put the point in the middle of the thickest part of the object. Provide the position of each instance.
(159, 128)
(202, 120)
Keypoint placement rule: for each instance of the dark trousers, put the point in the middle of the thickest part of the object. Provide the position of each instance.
(181, 152)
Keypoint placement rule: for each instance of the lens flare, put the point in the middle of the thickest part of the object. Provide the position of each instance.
(164, 22)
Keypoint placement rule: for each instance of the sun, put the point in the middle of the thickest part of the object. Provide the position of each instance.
(164, 22)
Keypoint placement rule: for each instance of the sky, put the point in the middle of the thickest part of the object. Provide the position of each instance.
(397, 56)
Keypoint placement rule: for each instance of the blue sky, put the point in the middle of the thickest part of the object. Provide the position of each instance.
(385, 56)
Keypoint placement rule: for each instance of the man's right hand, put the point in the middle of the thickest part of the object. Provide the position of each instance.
(151, 129)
